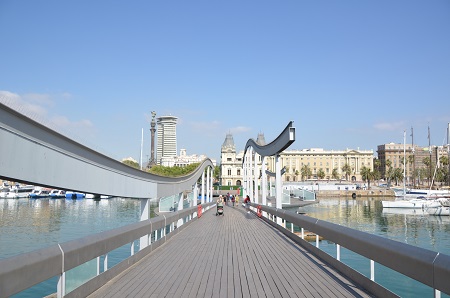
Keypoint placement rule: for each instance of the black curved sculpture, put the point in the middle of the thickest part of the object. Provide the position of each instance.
(283, 141)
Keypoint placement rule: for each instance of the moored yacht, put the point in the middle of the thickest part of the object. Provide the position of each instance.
(39, 192)
(57, 193)
(20, 192)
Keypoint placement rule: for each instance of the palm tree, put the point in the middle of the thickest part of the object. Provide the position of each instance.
(335, 174)
(347, 170)
(366, 175)
(388, 172)
(411, 162)
(427, 161)
(321, 174)
(306, 172)
(397, 175)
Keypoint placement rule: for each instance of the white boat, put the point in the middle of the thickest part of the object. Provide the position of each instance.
(442, 209)
(417, 192)
(404, 211)
(414, 203)
(94, 196)
(57, 193)
(20, 192)
(39, 192)
(4, 192)
(439, 211)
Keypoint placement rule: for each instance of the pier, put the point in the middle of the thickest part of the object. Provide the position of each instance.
(234, 255)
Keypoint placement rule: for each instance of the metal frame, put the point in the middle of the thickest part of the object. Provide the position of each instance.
(33, 153)
(26, 270)
(426, 266)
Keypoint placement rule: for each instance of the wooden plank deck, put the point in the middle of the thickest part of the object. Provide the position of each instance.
(235, 255)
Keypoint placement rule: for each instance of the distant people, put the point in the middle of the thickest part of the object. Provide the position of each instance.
(219, 204)
(233, 200)
(236, 198)
(247, 201)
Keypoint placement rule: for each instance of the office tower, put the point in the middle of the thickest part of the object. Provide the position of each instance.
(167, 137)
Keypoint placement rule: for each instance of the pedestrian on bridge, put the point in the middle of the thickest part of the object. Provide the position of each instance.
(246, 202)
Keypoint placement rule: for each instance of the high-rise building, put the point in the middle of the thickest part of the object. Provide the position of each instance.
(167, 137)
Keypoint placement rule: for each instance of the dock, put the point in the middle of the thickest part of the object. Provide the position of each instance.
(234, 255)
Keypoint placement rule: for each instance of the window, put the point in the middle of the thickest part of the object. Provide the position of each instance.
(229, 172)
(239, 172)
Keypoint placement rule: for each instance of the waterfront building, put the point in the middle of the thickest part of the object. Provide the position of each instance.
(166, 138)
(231, 163)
(417, 171)
(317, 159)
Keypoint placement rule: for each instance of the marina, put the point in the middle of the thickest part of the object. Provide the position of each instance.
(26, 225)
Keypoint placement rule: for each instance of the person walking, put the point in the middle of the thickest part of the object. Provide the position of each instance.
(247, 201)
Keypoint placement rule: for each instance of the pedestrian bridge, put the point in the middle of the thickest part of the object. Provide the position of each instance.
(192, 252)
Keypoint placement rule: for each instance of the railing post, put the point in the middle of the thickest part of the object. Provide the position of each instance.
(303, 233)
(317, 240)
(338, 252)
(132, 249)
(437, 293)
(61, 292)
(105, 263)
(98, 265)
(372, 270)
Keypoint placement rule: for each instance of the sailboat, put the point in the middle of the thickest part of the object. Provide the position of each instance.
(412, 193)
(409, 200)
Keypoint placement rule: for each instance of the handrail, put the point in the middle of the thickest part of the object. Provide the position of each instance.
(26, 270)
(426, 266)
(77, 164)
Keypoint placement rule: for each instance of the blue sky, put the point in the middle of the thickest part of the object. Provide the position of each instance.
(350, 74)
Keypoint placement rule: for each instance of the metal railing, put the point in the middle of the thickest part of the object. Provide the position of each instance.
(423, 265)
(21, 272)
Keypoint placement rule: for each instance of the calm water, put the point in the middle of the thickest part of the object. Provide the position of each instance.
(413, 227)
(27, 225)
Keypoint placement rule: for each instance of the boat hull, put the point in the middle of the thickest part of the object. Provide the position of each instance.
(412, 203)
(75, 195)
(439, 211)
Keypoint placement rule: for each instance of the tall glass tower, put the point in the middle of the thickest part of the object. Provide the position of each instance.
(166, 137)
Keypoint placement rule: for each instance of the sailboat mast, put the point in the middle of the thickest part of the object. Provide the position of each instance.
(448, 152)
(142, 144)
(404, 163)
(429, 149)
(414, 158)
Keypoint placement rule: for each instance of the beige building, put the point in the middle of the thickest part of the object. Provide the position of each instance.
(326, 160)
(415, 166)
(294, 160)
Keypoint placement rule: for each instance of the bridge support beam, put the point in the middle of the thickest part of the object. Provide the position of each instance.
(252, 150)
(203, 188)
(145, 215)
(256, 177)
(208, 184)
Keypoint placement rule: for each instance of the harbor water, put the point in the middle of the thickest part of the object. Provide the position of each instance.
(27, 225)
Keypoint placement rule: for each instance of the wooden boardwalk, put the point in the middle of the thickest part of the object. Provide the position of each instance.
(235, 255)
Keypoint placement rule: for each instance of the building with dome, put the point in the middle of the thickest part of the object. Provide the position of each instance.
(231, 161)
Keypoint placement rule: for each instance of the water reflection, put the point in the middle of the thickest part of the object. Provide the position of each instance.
(414, 227)
(29, 224)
